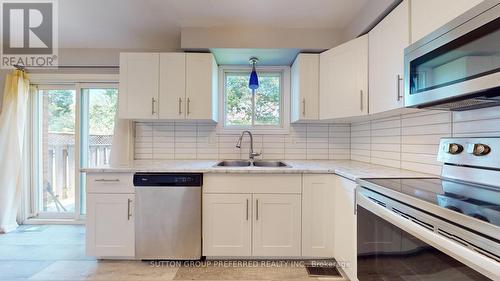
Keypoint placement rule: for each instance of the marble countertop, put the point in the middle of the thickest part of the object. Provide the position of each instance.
(349, 169)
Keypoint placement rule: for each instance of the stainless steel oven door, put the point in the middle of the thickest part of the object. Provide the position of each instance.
(459, 61)
(392, 247)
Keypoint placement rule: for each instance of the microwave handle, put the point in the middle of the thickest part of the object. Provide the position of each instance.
(398, 87)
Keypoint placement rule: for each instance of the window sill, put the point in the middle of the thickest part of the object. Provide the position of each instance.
(257, 131)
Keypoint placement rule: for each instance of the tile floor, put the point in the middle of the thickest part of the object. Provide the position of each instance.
(57, 252)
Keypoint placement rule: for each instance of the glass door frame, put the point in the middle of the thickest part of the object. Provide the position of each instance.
(37, 161)
(80, 148)
(83, 138)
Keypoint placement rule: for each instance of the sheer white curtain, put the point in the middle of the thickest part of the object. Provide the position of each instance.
(12, 129)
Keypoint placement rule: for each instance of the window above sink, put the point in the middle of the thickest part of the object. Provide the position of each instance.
(265, 112)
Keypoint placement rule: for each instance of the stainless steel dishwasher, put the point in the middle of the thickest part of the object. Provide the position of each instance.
(168, 216)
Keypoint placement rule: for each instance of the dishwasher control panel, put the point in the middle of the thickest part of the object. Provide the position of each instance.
(168, 179)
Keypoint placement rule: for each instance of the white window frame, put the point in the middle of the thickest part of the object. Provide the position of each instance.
(284, 127)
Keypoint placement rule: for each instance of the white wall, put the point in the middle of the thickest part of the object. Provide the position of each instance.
(260, 38)
(368, 14)
(410, 141)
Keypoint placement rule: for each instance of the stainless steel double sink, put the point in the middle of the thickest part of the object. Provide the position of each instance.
(258, 163)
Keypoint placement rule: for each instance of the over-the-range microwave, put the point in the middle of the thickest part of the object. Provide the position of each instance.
(457, 67)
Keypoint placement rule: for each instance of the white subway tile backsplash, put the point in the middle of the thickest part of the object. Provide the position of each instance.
(181, 140)
(479, 114)
(410, 141)
(429, 129)
(423, 139)
(477, 126)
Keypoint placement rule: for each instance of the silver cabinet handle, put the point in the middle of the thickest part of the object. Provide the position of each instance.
(247, 209)
(188, 102)
(107, 180)
(398, 85)
(180, 106)
(361, 100)
(257, 209)
(129, 213)
(303, 106)
(153, 106)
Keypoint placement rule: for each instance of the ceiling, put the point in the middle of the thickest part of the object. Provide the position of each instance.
(156, 24)
(267, 57)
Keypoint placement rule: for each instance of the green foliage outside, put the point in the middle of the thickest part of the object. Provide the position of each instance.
(239, 100)
(61, 111)
(102, 110)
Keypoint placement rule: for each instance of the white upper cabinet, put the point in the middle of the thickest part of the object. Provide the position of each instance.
(172, 93)
(428, 15)
(168, 86)
(344, 80)
(305, 88)
(139, 81)
(387, 42)
(201, 86)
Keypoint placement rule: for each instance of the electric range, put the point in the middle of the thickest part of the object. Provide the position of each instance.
(455, 215)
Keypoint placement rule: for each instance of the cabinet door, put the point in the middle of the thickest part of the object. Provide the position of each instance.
(277, 225)
(227, 225)
(345, 225)
(305, 88)
(172, 85)
(201, 86)
(139, 81)
(429, 15)
(110, 225)
(318, 195)
(387, 41)
(344, 80)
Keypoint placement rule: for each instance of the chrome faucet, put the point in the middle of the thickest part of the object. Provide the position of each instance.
(252, 154)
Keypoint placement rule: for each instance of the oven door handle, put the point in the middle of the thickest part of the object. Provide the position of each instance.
(474, 260)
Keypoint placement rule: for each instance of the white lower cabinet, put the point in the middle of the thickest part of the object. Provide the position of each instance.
(318, 197)
(227, 225)
(228, 221)
(277, 225)
(252, 215)
(345, 226)
(110, 225)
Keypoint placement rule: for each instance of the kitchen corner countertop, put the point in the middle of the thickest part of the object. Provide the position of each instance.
(352, 170)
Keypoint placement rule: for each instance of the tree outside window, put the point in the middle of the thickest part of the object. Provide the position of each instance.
(246, 109)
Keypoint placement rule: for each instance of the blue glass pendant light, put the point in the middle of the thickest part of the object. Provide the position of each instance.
(254, 79)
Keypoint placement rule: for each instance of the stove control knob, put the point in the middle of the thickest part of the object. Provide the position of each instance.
(455, 148)
(479, 149)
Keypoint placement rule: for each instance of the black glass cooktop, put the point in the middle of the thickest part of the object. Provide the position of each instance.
(480, 202)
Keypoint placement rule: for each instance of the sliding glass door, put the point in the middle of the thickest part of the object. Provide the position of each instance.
(73, 128)
(56, 165)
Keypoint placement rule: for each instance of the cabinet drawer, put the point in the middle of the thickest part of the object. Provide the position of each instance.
(252, 183)
(110, 183)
